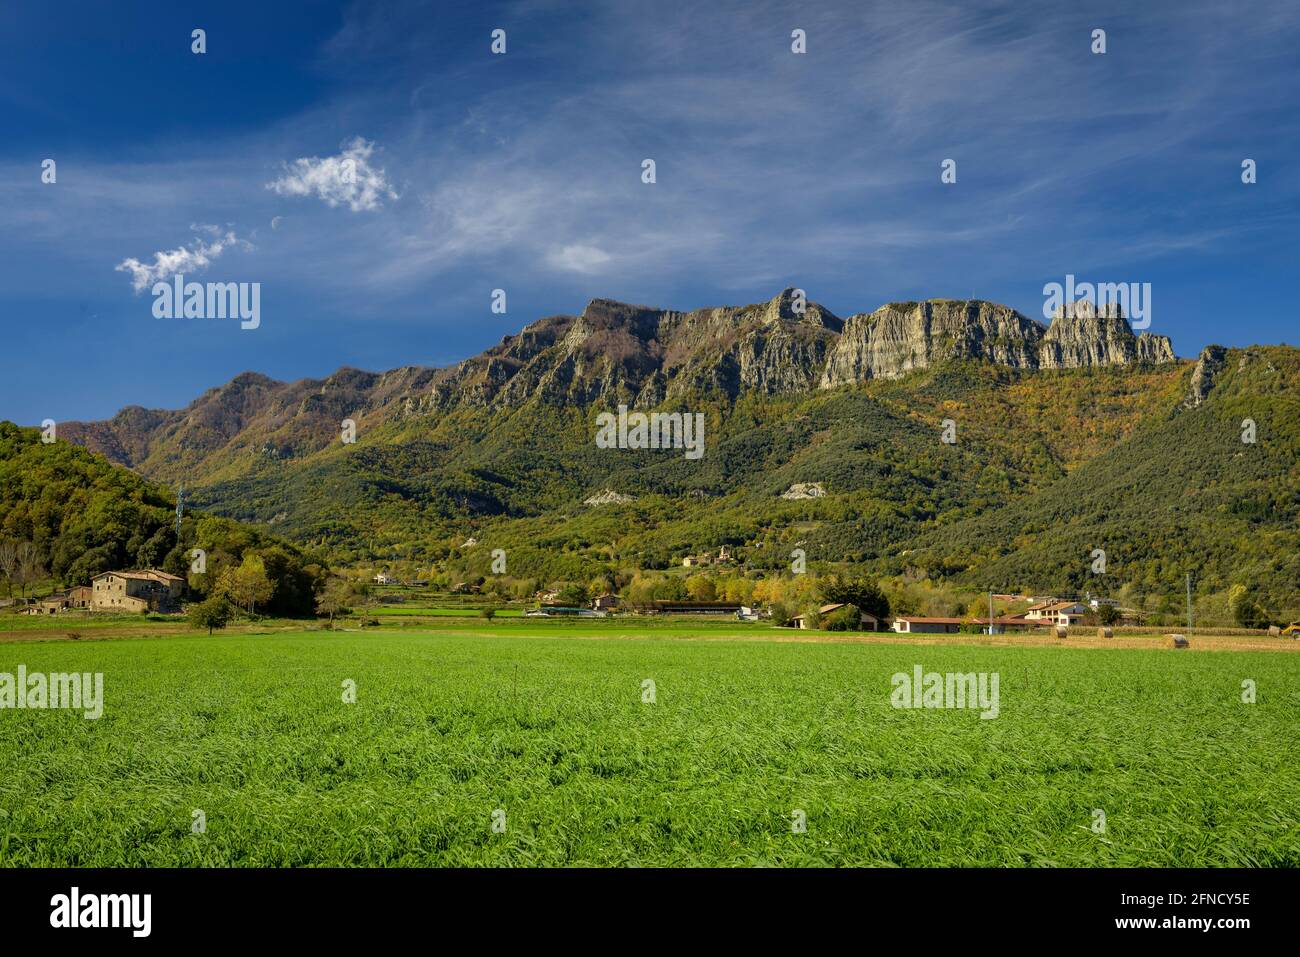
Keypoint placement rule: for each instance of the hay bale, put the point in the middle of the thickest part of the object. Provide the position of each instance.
(1105, 633)
(1062, 631)
(1180, 641)
(1274, 631)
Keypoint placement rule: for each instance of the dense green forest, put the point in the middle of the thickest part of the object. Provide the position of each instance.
(82, 515)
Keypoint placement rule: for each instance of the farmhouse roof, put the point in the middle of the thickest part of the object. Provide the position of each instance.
(151, 574)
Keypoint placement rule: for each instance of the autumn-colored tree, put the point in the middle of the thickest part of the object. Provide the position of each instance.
(701, 588)
(336, 597)
(247, 585)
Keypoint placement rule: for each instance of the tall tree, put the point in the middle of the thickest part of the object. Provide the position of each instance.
(335, 597)
(248, 584)
(860, 591)
(31, 567)
(9, 563)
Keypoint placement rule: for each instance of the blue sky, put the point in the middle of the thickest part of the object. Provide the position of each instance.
(523, 172)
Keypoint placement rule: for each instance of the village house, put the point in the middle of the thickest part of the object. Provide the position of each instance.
(606, 602)
(1058, 611)
(724, 557)
(151, 590)
(383, 578)
(1066, 612)
(1038, 608)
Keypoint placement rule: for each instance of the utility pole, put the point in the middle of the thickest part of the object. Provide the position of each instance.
(1189, 601)
(990, 612)
(180, 507)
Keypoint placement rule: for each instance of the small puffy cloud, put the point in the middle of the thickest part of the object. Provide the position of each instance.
(578, 258)
(192, 257)
(275, 221)
(347, 178)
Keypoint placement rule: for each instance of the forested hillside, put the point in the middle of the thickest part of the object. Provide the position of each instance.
(83, 515)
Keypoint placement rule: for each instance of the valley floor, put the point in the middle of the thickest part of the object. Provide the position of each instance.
(505, 744)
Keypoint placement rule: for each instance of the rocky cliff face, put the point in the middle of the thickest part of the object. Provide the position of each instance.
(619, 353)
(900, 337)
(645, 356)
(1075, 341)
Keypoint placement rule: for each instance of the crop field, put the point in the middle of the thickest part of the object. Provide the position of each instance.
(493, 745)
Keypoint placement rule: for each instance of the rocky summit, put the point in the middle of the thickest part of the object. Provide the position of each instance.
(785, 345)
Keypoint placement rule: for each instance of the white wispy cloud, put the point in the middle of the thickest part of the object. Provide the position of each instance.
(192, 257)
(578, 258)
(347, 178)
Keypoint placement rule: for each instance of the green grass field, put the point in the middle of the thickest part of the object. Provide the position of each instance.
(453, 724)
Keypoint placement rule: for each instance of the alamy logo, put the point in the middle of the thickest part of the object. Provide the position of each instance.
(946, 690)
(656, 430)
(1128, 300)
(103, 910)
(179, 299)
(75, 691)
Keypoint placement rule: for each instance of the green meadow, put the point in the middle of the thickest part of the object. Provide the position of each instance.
(453, 723)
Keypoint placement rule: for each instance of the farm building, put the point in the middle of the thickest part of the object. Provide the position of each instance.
(560, 611)
(49, 606)
(151, 590)
(914, 625)
(605, 602)
(694, 608)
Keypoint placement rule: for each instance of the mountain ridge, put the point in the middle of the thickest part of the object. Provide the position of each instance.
(617, 352)
(1046, 423)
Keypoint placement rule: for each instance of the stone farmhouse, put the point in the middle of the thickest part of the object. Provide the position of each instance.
(150, 590)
